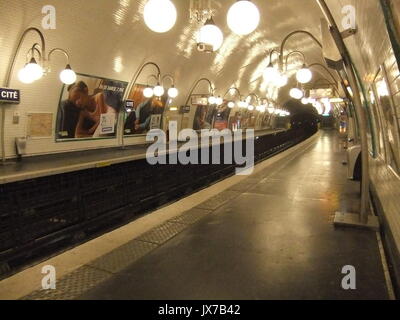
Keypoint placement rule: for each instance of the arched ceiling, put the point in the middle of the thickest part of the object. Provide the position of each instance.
(109, 38)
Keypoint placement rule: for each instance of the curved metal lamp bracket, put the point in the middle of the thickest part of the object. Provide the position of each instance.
(211, 88)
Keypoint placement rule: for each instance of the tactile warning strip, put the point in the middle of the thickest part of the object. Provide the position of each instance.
(163, 233)
(191, 216)
(122, 257)
(72, 285)
(89, 276)
(218, 200)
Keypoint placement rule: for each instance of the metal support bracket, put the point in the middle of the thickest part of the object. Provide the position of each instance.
(348, 33)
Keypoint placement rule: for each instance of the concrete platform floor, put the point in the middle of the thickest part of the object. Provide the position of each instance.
(274, 239)
(267, 236)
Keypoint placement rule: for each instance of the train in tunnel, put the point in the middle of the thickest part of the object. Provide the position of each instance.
(86, 88)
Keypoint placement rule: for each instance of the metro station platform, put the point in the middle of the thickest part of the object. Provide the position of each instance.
(267, 236)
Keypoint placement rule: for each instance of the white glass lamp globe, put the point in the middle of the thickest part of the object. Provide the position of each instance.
(271, 74)
(271, 109)
(304, 75)
(173, 92)
(296, 93)
(34, 70)
(250, 107)
(263, 109)
(231, 105)
(211, 35)
(160, 15)
(148, 92)
(24, 76)
(243, 17)
(158, 91)
(219, 101)
(304, 101)
(282, 80)
(68, 76)
(212, 100)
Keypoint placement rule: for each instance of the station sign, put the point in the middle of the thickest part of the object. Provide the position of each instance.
(8, 95)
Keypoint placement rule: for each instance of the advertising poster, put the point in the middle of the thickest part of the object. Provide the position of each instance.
(221, 121)
(146, 113)
(88, 108)
(205, 113)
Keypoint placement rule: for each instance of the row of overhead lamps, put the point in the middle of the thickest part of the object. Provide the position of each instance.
(32, 71)
(159, 91)
(273, 76)
(243, 16)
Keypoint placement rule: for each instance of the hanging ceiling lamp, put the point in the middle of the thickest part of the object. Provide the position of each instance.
(304, 75)
(210, 35)
(212, 100)
(231, 105)
(159, 90)
(148, 92)
(296, 93)
(24, 76)
(160, 15)
(243, 17)
(304, 101)
(282, 80)
(173, 92)
(271, 109)
(271, 74)
(68, 76)
(34, 70)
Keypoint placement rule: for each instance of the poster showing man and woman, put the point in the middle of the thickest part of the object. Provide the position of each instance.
(88, 108)
(146, 114)
(211, 117)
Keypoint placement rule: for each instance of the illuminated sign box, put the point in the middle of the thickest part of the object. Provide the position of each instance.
(10, 95)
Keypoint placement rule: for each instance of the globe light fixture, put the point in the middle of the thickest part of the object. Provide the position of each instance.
(304, 101)
(173, 92)
(160, 15)
(212, 100)
(250, 107)
(210, 35)
(34, 70)
(231, 104)
(282, 80)
(242, 104)
(159, 91)
(68, 76)
(270, 109)
(263, 109)
(148, 92)
(243, 17)
(25, 77)
(271, 74)
(296, 93)
(304, 75)
(219, 101)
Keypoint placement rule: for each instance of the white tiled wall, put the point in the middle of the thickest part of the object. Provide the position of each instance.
(370, 48)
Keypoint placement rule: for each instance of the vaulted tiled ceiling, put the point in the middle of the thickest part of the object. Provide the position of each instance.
(109, 38)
